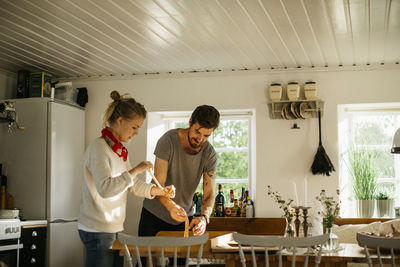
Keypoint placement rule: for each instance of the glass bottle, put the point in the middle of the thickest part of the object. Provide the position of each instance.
(235, 209)
(220, 203)
(249, 208)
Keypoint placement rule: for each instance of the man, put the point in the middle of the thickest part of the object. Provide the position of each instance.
(182, 157)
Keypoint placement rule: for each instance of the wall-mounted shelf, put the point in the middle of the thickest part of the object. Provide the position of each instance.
(296, 109)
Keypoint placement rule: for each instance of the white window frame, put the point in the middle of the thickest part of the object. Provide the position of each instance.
(249, 115)
(346, 114)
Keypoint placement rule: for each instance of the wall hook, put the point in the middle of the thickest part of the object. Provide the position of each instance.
(295, 126)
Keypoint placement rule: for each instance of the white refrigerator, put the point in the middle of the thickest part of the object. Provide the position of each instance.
(44, 165)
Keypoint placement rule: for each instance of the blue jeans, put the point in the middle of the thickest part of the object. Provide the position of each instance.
(98, 249)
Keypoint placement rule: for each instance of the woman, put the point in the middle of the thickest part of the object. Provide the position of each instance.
(107, 178)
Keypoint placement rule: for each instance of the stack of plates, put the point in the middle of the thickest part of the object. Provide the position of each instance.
(296, 110)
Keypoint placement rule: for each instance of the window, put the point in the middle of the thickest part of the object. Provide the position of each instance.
(233, 144)
(371, 127)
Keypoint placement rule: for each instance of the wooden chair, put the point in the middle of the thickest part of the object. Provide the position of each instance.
(161, 242)
(378, 242)
(279, 242)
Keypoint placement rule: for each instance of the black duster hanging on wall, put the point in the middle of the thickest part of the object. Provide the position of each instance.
(322, 164)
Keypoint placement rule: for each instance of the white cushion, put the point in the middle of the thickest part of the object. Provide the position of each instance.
(347, 233)
(386, 227)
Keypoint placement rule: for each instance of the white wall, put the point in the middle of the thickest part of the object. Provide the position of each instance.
(282, 154)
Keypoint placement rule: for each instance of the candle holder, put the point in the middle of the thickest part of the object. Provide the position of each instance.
(297, 220)
(305, 222)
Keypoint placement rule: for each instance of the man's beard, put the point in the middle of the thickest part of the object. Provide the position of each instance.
(192, 145)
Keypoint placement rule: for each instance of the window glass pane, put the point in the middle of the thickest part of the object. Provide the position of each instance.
(385, 163)
(230, 134)
(374, 130)
(181, 124)
(233, 165)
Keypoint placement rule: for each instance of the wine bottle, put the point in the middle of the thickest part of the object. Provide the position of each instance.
(220, 203)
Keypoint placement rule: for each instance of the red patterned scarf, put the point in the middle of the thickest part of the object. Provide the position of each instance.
(114, 143)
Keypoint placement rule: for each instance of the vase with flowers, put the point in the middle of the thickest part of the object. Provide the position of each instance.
(288, 211)
(330, 211)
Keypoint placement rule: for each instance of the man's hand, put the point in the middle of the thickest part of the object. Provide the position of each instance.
(198, 225)
(177, 212)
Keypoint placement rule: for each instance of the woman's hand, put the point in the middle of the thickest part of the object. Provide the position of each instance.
(168, 191)
(141, 168)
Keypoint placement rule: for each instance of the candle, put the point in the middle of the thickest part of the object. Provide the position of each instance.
(296, 198)
(305, 192)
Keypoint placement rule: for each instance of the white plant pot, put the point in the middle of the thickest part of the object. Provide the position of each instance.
(385, 208)
(365, 208)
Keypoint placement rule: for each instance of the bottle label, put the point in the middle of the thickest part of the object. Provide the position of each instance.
(219, 210)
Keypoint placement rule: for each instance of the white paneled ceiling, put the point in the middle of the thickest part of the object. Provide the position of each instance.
(91, 38)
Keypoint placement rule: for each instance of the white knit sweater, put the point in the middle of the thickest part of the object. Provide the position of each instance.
(104, 189)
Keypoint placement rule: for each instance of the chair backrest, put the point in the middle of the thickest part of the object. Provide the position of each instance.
(378, 242)
(290, 244)
(161, 242)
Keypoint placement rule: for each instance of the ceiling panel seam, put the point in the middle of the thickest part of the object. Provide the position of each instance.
(172, 58)
(296, 34)
(172, 33)
(313, 33)
(368, 16)
(42, 59)
(278, 33)
(46, 39)
(131, 40)
(227, 35)
(330, 27)
(62, 38)
(214, 58)
(43, 68)
(259, 33)
(349, 27)
(42, 51)
(241, 31)
(388, 4)
(233, 59)
(116, 50)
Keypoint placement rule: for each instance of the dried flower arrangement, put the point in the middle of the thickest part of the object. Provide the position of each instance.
(331, 208)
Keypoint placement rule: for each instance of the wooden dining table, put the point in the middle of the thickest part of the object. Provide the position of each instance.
(219, 247)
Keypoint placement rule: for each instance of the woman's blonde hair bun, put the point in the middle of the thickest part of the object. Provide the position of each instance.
(123, 106)
(115, 95)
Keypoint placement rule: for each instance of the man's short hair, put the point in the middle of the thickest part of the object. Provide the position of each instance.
(206, 116)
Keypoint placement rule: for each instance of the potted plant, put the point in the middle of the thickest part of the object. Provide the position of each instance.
(364, 175)
(384, 204)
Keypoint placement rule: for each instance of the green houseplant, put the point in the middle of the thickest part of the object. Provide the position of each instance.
(384, 204)
(364, 175)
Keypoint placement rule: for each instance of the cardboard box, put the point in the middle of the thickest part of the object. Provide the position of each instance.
(39, 84)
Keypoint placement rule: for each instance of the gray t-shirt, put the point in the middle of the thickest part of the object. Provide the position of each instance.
(184, 172)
